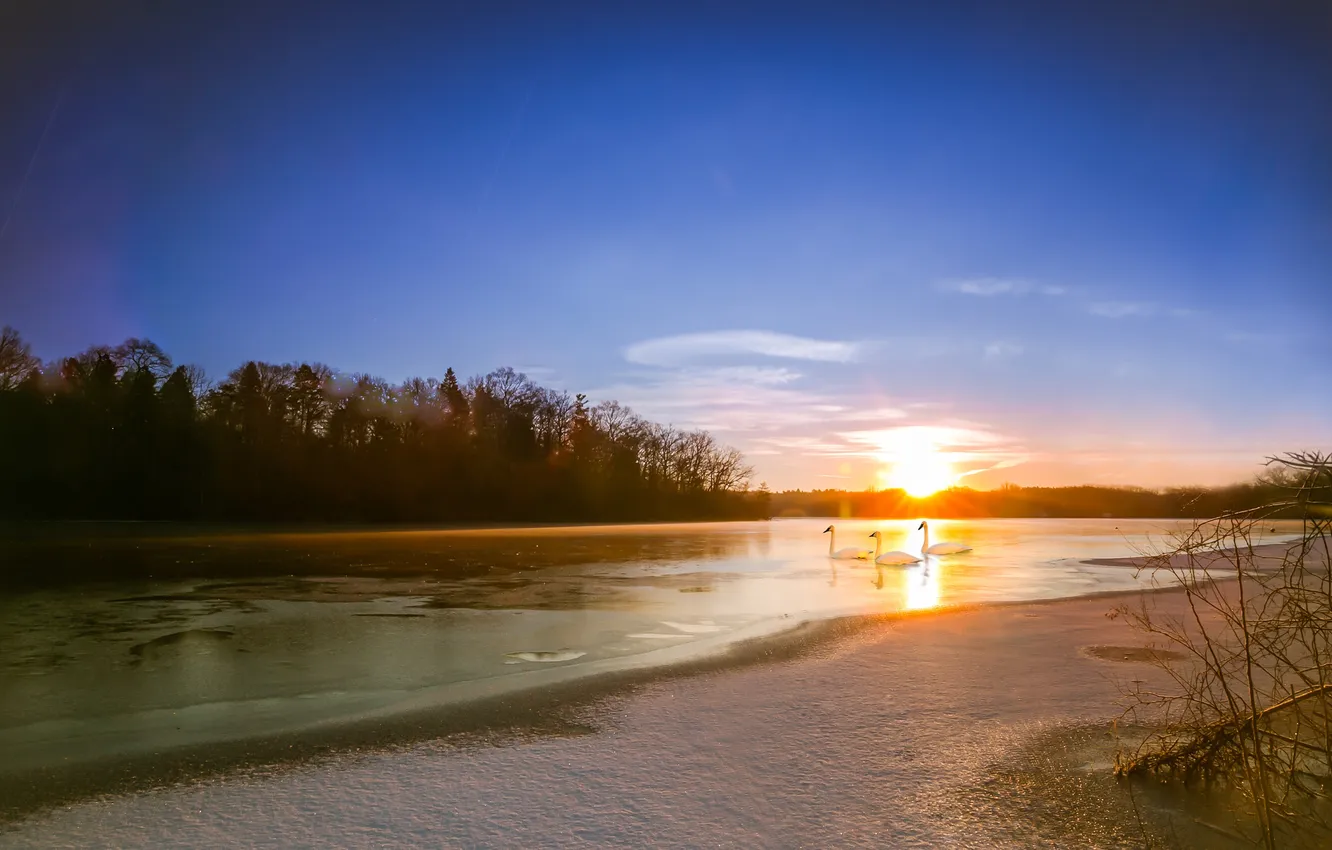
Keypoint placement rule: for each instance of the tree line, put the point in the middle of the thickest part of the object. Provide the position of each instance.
(1068, 502)
(124, 433)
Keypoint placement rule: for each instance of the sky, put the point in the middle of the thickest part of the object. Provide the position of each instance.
(1047, 243)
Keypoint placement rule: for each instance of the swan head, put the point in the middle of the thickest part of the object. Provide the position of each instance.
(875, 534)
(923, 524)
(828, 529)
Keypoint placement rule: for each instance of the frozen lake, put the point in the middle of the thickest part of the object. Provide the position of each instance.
(292, 630)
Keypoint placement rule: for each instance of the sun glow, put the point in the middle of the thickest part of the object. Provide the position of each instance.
(916, 464)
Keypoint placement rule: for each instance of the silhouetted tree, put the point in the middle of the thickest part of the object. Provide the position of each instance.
(180, 448)
(16, 360)
(143, 355)
(118, 432)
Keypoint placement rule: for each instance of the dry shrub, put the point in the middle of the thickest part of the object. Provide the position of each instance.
(1250, 707)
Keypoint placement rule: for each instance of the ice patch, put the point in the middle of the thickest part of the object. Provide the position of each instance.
(693, 628)
(546, 657)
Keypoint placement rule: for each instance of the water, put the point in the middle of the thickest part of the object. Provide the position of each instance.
(416, 619)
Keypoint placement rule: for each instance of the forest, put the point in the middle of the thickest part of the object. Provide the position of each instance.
(123, 433)
(1014, 501)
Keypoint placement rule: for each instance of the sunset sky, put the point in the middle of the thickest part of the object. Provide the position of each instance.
(1051, 245)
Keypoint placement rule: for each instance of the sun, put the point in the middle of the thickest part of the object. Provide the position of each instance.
(922, 476)
(915, 464)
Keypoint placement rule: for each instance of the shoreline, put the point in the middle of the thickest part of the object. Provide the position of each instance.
(538, 709)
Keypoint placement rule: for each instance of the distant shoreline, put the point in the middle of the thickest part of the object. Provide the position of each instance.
(22, 528)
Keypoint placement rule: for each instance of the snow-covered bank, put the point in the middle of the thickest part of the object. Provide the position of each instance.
(905, 731)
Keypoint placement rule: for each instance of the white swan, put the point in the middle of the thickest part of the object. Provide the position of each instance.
(939, 548)
(893, 558)
(850, 553)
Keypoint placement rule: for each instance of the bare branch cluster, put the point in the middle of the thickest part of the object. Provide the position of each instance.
(1251, 705)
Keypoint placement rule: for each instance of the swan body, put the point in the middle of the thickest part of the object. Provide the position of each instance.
(941, 548)
(850, 553)
(894, 558)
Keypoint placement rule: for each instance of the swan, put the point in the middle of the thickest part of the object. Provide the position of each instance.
(893, 558)
(850, 553)
(939, 548)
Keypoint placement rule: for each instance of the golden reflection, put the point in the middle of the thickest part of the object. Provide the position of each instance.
(920, 587)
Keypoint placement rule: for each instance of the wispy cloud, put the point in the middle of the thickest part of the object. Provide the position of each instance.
(1002, 349)
(970, 448)
(691, 348)
(766, 376)
(991, 286)
(1140, 309)
(889, 441)
(1122, 309)
(737, 400)
(545, 374)
(727, 382)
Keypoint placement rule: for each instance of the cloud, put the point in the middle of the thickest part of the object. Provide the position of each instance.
(815, 446)
(728, 383)
(1143, 309)
(689, 348)
(738, 399)
(1122, 309)
(754, 375)
(970, 447)
(944, 437)
(545, 374)
(991, 286)
(1002, 349)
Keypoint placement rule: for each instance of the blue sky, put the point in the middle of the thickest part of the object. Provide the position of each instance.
(1079, 246)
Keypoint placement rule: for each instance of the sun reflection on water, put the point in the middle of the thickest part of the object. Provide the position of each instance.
(920, 587)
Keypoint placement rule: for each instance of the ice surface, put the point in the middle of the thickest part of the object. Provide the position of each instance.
(547, 656)
(981, 729)
(117, 669)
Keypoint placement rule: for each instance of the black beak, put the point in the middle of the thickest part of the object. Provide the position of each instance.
(919, 527)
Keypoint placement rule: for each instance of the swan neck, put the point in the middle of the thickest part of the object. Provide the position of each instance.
(926, 545)
(832, 540)
(878, 544)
